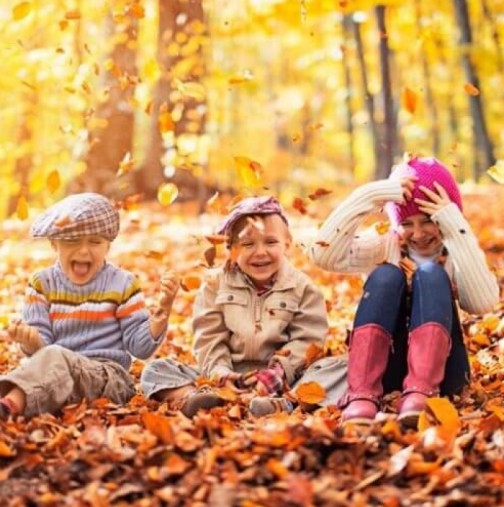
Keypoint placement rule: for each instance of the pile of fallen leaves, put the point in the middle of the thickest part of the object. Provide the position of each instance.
(143, 454)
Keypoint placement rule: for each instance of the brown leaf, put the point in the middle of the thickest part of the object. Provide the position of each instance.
(159, 426)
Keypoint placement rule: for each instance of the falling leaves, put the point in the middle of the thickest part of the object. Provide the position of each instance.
(167, 193)
(22, 208)
(21, 11)
(299, 205)
(471, 90)
(190, 282)
(53, 181)
(165, 121)
(249, 171)
(409, 100)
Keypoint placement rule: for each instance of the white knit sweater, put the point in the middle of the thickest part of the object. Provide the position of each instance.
(337, 247)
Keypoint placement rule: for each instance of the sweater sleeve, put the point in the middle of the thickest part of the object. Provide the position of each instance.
(211, 336)
(309, 325)
(477, 287)
(35, 310)
(134, 321)
(338, 248)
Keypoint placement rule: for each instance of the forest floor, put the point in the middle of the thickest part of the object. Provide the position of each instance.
(143, 454)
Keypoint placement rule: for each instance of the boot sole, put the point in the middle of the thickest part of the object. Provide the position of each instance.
(202, 401)
(409, 419)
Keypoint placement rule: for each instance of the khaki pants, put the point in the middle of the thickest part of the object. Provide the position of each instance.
(54, 377)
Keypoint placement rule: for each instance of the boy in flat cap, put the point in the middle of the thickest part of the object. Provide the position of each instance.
(82, 317)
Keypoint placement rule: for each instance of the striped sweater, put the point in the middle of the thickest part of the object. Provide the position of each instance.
(338, 247)
(104, 318)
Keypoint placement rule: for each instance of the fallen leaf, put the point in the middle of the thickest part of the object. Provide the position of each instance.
(311, 393)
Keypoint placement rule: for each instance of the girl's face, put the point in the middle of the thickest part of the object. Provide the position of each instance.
(81, 258)
(421, 234)
(259, 247)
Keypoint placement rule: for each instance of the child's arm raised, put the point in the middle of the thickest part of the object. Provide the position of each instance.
(169, 287)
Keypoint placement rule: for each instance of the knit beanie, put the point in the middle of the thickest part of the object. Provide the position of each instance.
(428, 171)
(78, 215)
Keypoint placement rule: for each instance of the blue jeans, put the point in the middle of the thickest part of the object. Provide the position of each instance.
(387, 302)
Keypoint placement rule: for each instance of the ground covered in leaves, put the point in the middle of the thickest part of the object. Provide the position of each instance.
(97, 454)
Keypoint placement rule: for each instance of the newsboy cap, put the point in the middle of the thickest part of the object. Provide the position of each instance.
(78, 215)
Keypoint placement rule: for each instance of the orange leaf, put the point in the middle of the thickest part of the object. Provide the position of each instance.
(136, 10)
(277, 468)
(73, 14)
(21, 10)
(6, 451)
(159, 426)
(165, 121)
(310, 393)
(22, 208)
(190, 282)
(320, 192)
(409, 100)
(445, 413)
(216, 239)
(313, 352)
(470, 89)
(299, 205)
(62, 221)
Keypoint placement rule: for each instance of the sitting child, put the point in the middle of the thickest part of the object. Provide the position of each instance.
(253, 322)
(82, 317)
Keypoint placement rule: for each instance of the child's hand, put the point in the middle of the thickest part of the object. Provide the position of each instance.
(270, 380)
(436, 201)
(170, 284)
(21, 333)
(408, 185)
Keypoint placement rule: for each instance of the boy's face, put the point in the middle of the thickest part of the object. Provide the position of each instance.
(81, 258)
(260, 247)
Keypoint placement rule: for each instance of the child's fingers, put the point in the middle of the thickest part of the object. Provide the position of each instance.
(261, 389)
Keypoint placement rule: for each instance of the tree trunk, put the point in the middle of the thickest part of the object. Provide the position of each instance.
(485, 156)
(109, 145)
(347, 23)
(191, 120)
(368, 97)
(387, 143)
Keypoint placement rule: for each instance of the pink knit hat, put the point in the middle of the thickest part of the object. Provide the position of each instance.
(428, 171)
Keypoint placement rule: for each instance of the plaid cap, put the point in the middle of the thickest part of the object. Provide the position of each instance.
(78, 215)
(263, 205)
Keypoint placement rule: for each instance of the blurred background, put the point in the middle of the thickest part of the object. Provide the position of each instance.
(194, 99)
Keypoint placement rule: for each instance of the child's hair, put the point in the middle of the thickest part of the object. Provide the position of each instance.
(428, 171)
(78, 215)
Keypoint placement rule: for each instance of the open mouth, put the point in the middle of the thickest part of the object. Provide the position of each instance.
(80, 269)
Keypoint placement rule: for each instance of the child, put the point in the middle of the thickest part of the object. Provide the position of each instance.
(82, 316)
(407, 330)
(253, 322)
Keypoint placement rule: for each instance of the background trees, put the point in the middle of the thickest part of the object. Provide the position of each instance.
(121, 96)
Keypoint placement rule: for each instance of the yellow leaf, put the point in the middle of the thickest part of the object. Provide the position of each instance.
(445, 413)
(191, 89)
(423, 421)
(382, 228)
(53, 181)
(126, 164)
(73, 14)
(470, 89)
(248, 170)
(21, 10)
(167, 193)
(310, 393)
(409, 100)
(22, 208)
(241, 77)
(497, 172)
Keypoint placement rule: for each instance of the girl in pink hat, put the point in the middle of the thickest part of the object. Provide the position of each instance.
(407, 334)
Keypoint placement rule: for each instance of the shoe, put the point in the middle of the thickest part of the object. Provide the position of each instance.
(359, 412)
(200, 399)
(264, 405)
(410, 407)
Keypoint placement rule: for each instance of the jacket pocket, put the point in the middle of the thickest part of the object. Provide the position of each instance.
(235, 308)
(281, 307)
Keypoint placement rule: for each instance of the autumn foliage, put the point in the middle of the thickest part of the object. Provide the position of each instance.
(99, 454)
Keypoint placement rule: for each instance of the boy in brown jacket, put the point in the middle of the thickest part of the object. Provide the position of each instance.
(253, 322)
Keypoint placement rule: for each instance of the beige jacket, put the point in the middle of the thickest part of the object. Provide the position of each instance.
(237, 330)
